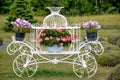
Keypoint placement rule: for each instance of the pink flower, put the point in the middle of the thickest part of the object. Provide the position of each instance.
(68, 38)
(43, 34)
(51, 37)
(58, 39)
(75, 35)
(64, 39)
(39, 30)
(39, 39)
(47, 38)
(59, 30)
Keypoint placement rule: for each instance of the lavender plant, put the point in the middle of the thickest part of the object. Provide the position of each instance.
(19, 24)
(91, 26)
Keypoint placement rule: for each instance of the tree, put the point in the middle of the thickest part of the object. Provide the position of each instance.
(4, 6)
(19, 9)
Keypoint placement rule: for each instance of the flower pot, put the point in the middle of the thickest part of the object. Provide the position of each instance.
(55, 49)
(19, 36)
(91, 36)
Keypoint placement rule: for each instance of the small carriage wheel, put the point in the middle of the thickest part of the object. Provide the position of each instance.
(25, 65)
(85, 65)
(97, 48)
(12, 48)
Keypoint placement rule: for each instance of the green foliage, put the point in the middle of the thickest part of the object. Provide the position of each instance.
(111, 10)
(77, 7)
(109, 59)
(19, 9)
(115, 75)
(4, 6)
(114, 39)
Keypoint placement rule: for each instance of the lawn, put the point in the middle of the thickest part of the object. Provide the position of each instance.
(62, 71)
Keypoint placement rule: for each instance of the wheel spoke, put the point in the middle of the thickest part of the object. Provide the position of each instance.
(79, 69)
(27, 72)
(90, 64)
(32, 69)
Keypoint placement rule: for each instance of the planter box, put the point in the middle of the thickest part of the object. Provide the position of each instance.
(91, 36)
(19, 36)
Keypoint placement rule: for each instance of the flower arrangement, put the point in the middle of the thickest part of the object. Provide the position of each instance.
(91, 26)
(19, 24)
(51, 37)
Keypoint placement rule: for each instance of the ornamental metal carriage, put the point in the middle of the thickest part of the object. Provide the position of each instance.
(78, 53)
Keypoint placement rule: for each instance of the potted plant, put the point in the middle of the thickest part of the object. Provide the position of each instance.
(20, 25)
(91, 29)
(55, 39)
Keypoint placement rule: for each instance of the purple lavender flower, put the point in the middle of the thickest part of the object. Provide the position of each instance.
(18, 20)
(91, 24)
(21, 23)
(15, 24)
(86, 25)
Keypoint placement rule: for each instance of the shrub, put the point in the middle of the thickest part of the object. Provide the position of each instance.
(114, 39)
(118, 43)
(111, 10)
(115, 75)
(111, 58)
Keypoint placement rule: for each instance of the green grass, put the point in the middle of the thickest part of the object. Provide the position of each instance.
(107, 21)
(62, 71)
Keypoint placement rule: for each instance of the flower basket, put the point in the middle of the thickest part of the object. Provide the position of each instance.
(91, 36)
(19, 36)
(20, 25)
(91, 30)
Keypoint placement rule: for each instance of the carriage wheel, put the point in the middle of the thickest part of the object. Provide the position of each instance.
(12, 48)
(25, 65)
(97, 48)
(85, 66)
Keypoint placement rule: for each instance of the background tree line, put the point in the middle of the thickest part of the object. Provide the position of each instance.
(71, 7)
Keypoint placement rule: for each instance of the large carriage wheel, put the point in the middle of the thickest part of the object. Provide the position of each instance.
(25, 65)
(97, 48)
(85, 65)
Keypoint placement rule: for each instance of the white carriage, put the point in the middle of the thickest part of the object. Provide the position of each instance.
(79, 54)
